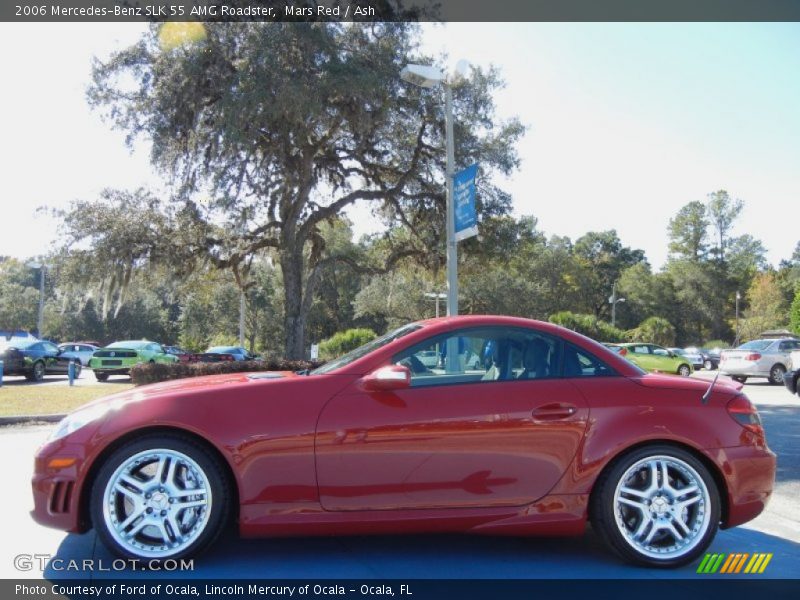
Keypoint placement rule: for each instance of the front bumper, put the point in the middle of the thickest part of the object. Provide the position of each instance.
(57, 491)
(750, 478)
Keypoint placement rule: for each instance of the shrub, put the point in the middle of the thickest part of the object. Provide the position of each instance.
(588, 325)
(156, 372)
(654, 330)
(345, 341)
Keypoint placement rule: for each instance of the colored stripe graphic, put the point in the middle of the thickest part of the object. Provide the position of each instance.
(734, 563)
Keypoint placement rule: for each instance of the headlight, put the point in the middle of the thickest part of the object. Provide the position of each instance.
(78, 419)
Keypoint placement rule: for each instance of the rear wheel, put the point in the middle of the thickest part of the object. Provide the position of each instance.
(159, 497)
(709, 365)
(37, 372)
(657, 506)
(684, 370)
(101, 376)
(776, 374)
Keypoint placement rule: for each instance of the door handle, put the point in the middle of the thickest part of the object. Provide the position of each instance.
(554, 412)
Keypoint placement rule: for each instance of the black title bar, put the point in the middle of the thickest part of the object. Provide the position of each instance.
(398, 10)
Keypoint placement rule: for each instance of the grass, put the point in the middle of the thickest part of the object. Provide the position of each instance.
(46, 399)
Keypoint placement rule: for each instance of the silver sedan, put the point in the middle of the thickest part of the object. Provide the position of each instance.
(759, 358)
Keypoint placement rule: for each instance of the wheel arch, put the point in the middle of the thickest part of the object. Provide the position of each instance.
(716, 474)
(84, 516)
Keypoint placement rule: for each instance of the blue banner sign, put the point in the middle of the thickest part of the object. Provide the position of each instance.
(464, 203)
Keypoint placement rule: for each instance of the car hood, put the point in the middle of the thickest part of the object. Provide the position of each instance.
(676, 382)
(207, 383)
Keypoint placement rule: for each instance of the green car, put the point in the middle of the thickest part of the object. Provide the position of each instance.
(119, 357)
(654, 358)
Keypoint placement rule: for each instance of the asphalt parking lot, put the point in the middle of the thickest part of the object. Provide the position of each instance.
(382, 557)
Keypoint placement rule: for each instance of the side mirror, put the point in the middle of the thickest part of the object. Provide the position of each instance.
(385, 379)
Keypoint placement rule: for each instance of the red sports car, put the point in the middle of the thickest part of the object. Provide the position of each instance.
(519, 428)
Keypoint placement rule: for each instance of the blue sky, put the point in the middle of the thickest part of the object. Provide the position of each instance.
(627, 123)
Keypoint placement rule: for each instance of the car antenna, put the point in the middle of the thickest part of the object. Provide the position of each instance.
(707, 395)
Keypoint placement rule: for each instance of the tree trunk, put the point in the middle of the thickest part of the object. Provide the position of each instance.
(294, 319)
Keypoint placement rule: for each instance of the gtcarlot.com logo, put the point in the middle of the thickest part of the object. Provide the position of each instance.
(734, 563)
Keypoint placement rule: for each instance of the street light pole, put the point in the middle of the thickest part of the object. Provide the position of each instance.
(436, 296)
(738, 297)
(452, 249)
(40, 320)
(613, 300)
(427, 76)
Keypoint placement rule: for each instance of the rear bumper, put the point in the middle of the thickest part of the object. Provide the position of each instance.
(750, 477)
(743, 371)
(790, 379)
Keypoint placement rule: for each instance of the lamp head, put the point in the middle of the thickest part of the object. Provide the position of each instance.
(422, 75)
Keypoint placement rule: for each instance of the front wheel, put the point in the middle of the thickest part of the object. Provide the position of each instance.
(657, 506)
(709, 365)
(776, 374)
(684, 370)
(160, 497)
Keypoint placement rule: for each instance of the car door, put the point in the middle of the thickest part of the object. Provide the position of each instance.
(663, 359)
(641, 355)
(463, 435)
(53, 359)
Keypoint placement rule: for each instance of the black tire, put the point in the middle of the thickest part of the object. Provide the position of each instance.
(100, 376)
(220, 505)
(684, 370)
(604, 516)
(739, 378)
(708, 365)
(37, 372)
(776, 374)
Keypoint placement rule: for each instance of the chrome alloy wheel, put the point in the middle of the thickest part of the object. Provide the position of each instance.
(157, 503)
(661, 507)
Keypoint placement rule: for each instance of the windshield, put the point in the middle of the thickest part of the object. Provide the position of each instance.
(354, 355)
(755, 345)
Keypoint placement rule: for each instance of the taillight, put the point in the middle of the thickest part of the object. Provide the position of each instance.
(744, 413)
(623, 351)
(753, 356)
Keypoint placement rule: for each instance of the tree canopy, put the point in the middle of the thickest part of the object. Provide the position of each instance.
(270, 130)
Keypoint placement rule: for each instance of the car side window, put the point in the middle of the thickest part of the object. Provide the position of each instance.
(660, 351)
(481, 355)
(640, 349)
(579, 363)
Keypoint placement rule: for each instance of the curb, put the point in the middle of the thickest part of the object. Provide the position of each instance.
(30, 419)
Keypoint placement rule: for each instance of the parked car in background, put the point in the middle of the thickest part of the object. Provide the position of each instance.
(9, 335)
(791, 379)
(710, 356)
(34, 359)
(119, 357)
(695, 358)
(759, 358)
(651, 357)
(79, 351)
(182, 355)
(237, 352)
(552, 432)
